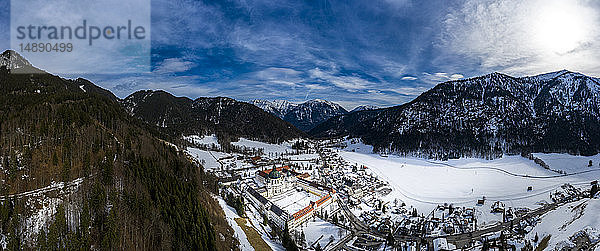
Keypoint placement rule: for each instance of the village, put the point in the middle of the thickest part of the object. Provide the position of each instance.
(307, 191)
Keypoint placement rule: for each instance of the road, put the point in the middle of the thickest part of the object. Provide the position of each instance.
(54, 187)
(357, 227)
(460, 240)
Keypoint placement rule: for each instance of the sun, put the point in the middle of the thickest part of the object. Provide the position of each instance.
(560, 27)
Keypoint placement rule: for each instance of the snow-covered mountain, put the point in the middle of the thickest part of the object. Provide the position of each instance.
(13, 60)
(304, 116)
(364, 108)
(570, 227)
(487, 115)
(278, 108)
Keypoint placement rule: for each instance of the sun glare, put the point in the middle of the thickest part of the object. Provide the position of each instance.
(560, 27)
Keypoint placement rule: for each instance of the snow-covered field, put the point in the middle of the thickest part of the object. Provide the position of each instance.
(424, 183)
(570, 163)
(322, 231)
(568, 220)
(208, 159)
(207, 140)
(267, 148)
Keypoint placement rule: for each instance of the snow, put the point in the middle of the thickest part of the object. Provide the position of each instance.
(263, 230)
(318, 227)
(42, 218)
(424, 184)
(277, 107)
(3, 241)
(364, 108)
(207, 140)
(356, 145)
(567, 220)
(570, 163)
(267, 148)
(208, 159)
(81, 87)
(292, 201)
(303, 157)
(239, 234)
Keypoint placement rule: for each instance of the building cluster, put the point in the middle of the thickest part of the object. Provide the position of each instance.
(271, 184)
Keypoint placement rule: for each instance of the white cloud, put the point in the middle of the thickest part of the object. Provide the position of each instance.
(315, 87)
(278, 76)
(409, 91)
(523, 37)
(103, 55)
(439, 77)
(456, 76)
(177, 85)
(409, 78)
(275, 73)
(173, 65)
(348, 83)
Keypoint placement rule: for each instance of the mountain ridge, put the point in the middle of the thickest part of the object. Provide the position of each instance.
(228, 118)
(305, 115)
(484, 116)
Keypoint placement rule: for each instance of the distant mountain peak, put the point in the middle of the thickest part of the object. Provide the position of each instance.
(13, 60)
(364, 108)
(305, 115)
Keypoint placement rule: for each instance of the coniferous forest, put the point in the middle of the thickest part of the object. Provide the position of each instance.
(134, 191)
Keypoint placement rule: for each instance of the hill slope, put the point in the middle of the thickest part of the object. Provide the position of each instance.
(127, 189)
(227, 118)
(485, 116)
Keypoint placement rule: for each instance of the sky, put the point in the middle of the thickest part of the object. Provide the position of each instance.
(371, 52)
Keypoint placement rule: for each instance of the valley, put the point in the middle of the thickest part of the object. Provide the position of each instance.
(406, 202)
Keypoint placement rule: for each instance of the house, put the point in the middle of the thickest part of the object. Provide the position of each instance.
(498, 207)
(481, 201)
(255, 159)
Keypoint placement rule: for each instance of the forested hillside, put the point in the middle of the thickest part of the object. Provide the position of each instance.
(484, 117)
(127, 189)
(227, 118)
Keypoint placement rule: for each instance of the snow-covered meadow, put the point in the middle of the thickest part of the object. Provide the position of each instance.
(566, 221)
(424, 184)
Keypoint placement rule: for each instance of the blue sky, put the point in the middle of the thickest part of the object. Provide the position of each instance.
(378, 52)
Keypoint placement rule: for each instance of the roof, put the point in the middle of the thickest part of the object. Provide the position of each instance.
(265, 173)
(323, 200)
(256, 195)
(304, 211)
(275, 174)
(278, 211)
